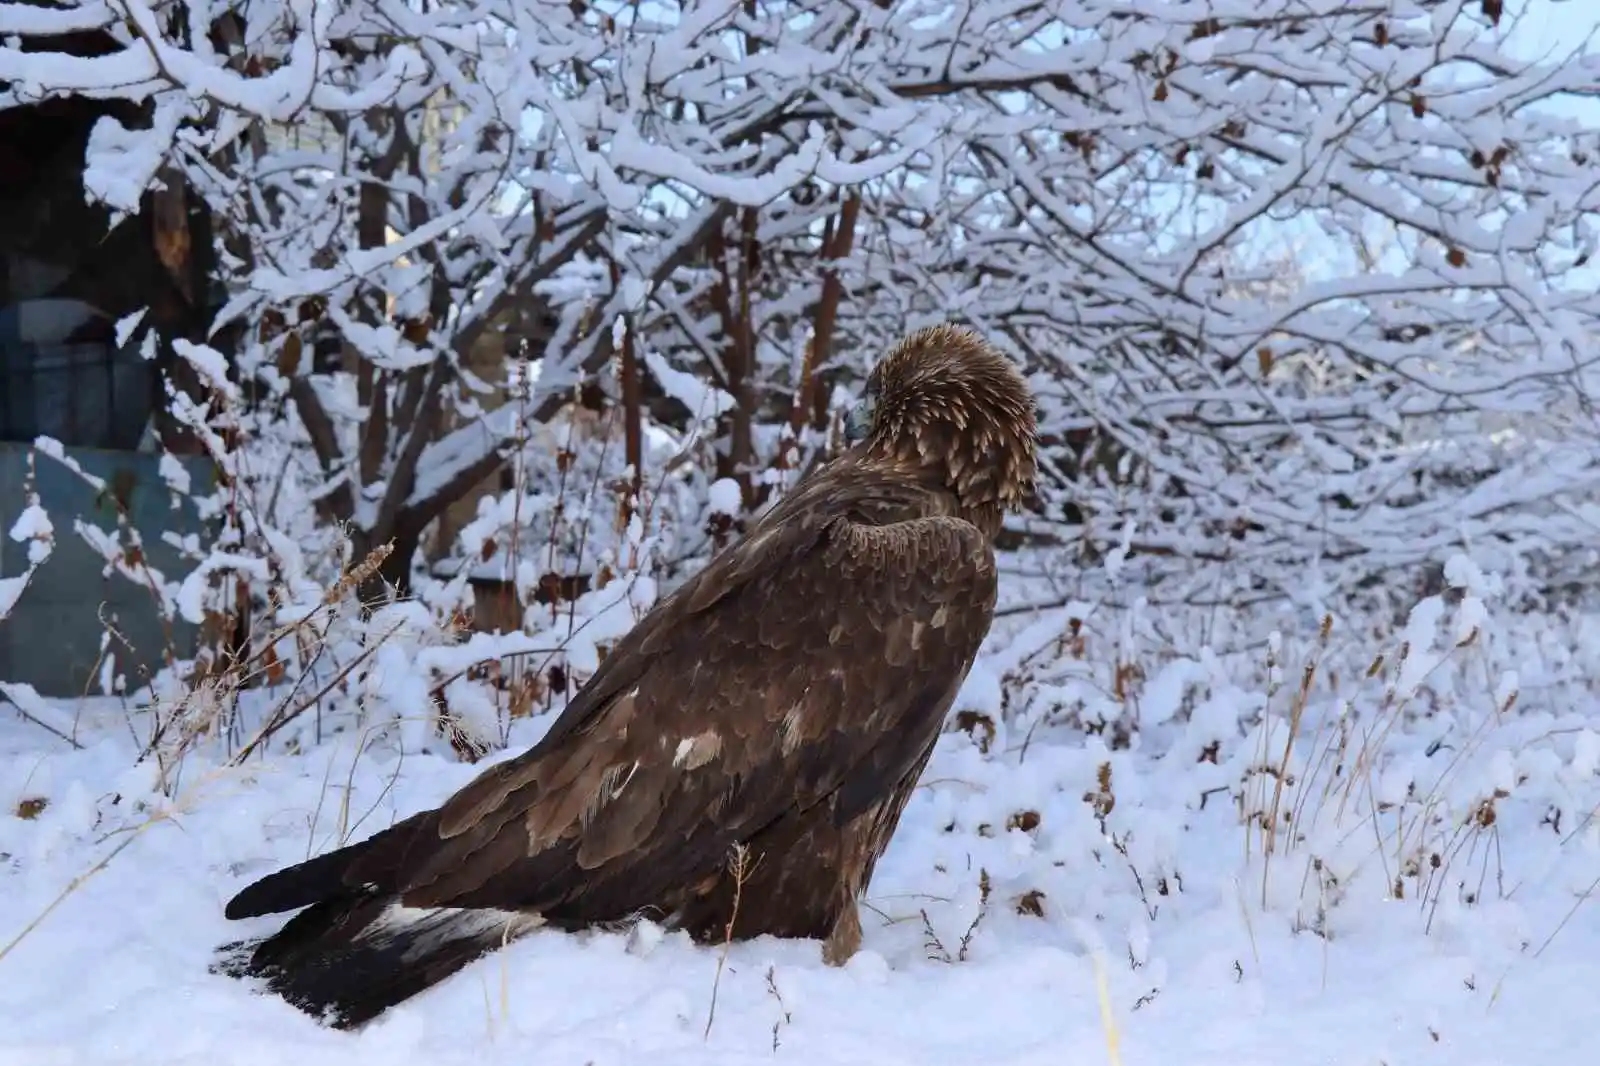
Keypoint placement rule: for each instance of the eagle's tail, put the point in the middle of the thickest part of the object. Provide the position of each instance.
(348, 960)
(356, 950)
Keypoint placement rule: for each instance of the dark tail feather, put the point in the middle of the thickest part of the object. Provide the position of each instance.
(348, 960)
(294, 887)
(328, 877)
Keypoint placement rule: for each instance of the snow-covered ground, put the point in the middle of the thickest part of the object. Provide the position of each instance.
(1125, 894)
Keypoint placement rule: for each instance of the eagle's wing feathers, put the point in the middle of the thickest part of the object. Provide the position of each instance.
(809, 664)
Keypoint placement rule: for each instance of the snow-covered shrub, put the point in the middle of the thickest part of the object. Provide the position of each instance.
(295, 648)
(1420, 766)
(1311, 325)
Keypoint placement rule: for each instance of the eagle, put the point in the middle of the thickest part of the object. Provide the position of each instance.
(740, 759)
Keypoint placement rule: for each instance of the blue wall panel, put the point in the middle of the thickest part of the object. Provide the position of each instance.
(52, 638)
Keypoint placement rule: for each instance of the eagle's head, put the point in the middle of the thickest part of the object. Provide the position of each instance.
(947, 403)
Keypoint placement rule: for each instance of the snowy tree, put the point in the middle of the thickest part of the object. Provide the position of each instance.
(765, 193)
(1108, 216)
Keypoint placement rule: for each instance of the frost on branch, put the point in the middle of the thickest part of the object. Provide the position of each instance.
(1310, 312)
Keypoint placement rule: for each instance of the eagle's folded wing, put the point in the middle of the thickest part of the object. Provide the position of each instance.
(815, 673)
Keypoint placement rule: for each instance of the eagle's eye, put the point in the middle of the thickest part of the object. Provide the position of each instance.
(858, 419)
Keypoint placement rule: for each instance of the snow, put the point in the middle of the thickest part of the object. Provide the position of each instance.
(724, 497)
(210, 364)
(26, 701)
(174, 474)
(703, 401)
(33, 529)
(122, 162)
(1151, 894)
(10, 592)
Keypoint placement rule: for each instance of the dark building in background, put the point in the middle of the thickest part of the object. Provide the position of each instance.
(62, 287)
(67, 276)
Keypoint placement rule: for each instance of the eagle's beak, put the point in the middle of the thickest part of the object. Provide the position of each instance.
(857, 420)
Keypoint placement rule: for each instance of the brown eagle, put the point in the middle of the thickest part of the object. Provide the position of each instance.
(770, 717)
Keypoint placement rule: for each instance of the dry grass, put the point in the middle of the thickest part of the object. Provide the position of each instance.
(1108, 1019)
(740, 869)
(1337, 788)
(1313, 817)
(209, 707)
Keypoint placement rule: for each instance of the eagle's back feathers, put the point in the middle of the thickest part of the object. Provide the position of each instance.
(786, 698)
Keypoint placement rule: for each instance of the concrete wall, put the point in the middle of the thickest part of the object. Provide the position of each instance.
(52, 638)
